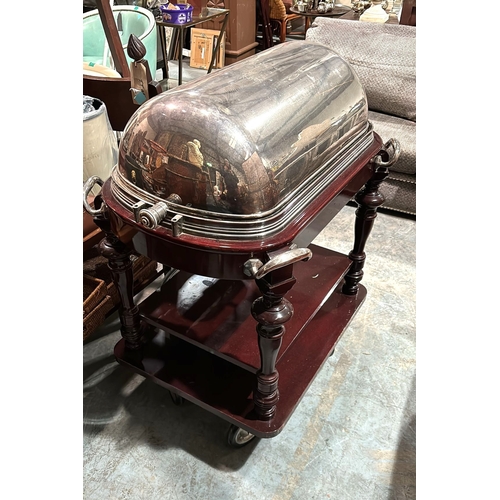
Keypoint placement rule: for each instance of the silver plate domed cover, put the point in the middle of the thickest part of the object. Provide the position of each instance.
(238, 146)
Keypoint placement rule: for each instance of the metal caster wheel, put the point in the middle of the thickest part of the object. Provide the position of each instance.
(237, 437)
(178, 400)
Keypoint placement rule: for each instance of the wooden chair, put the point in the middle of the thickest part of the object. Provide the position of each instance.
(280, 18)
(264, 23)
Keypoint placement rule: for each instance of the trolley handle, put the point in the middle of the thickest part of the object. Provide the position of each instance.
(257, 269)
(87, 187)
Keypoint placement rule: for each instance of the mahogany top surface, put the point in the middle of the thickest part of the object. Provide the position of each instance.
(276, 241)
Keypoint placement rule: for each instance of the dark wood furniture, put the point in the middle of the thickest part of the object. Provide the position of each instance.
(226, 349)
(409, 13)
(92, 234)
(263, 20)
(280, 17)
(115, 94)
(101, 298)
(180, 32)
(240, 29)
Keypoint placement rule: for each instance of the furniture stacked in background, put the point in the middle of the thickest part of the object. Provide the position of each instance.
(100, 297)
(384, 58)
(275, 22)
(241, 27)
(207, 45)
(281, 18)
(115, 93)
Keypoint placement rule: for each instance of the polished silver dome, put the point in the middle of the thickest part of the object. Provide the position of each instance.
(248, 138)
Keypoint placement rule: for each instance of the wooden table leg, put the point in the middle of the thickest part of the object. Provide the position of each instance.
(218, 44)
(163, 42)
(119, 263)
(181, 48)
(368, 200)
(271, 311)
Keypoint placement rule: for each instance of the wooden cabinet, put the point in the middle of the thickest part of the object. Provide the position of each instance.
(409, 13)
(241, 28)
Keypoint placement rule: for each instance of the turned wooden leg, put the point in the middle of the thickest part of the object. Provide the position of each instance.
(119, 263)
(368, 200)
(271, 311)
(274, 279)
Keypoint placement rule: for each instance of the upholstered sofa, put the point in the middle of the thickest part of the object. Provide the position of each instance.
(384, 57)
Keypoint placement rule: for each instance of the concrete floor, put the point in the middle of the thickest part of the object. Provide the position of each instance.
(188, 74)
(351, 437)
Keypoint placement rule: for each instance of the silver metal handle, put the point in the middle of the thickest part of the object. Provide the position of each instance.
(391, 144)
(87, 187)
(257, 269)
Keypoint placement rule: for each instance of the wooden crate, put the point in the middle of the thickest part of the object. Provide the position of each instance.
(94, 291)
(203, 42)
(96, 317)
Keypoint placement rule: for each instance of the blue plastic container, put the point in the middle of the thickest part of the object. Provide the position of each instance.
(182, 16)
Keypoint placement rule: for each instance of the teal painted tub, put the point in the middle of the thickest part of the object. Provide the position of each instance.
(136, 20)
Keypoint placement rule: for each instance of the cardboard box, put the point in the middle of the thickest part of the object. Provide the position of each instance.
(203, 44)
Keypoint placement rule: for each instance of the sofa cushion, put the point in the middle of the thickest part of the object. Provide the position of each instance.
(389, 127)
(400, 193)
(383, 56)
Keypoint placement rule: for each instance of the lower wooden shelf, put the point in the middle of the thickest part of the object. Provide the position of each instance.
(203, 346)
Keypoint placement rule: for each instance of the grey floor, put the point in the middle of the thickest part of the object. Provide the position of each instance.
(188, 74)
(352, 436)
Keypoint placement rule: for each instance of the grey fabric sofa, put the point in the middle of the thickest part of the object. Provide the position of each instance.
(384, 57)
